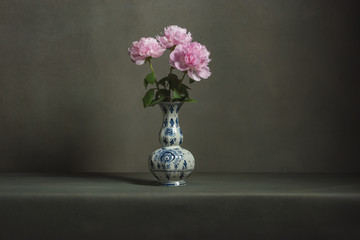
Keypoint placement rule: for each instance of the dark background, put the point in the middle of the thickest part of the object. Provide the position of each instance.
(283, 96)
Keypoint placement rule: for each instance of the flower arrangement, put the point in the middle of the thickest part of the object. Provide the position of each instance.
(187, 56)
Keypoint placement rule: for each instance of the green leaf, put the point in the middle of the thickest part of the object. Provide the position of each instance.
(183, 91)
(174, 81)
(191, 80)
(184, 86)
(145, 83)
(190, 100)
(154, 102)
(150, 78)
(176, 93)
(163, 81)
(171, 75)
(162, 93)
(149, 96)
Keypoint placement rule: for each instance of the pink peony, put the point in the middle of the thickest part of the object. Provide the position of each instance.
(193, 58)
(174, 35)
(144, 48)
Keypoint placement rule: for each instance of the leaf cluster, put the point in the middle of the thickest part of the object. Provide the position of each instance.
(167, 89)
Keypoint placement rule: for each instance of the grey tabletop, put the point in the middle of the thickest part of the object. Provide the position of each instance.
(199, 184)
(212, 206)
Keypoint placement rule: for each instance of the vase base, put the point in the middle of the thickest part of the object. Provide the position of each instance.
(173, 183)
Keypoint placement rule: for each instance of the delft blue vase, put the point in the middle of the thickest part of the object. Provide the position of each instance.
(171, 165)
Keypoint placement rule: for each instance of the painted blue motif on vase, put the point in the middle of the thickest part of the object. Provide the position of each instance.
(171, 109)
(169, 132)
(172, 141)
(185, 165)
(172, 122)
(167, 156)
(165, 110)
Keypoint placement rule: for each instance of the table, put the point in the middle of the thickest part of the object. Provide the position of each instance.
(212, 206)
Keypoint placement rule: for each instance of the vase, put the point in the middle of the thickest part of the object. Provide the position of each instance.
(171, 165)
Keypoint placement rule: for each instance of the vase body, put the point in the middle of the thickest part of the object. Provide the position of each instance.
(171, 165)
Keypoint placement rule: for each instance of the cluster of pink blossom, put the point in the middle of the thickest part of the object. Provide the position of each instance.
(174, 35)
(144, 48)
(186, 56)
(193, 58)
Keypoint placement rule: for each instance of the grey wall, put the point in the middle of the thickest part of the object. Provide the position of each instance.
(283, 97)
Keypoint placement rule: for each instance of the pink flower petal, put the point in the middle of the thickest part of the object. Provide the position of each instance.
(144, 48)
(193, 75)
(174, 35)
(192, 57)
(204, 73)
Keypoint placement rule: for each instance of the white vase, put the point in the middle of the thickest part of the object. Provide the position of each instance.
(171, 164)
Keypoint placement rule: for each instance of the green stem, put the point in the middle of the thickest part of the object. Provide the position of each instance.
(182, 79)
(152, 70)
(151, 66)
(171, 69)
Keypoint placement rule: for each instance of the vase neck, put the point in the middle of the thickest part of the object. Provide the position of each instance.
(170, 132)
(170, 108)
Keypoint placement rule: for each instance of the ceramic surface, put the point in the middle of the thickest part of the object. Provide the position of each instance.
(171, 164)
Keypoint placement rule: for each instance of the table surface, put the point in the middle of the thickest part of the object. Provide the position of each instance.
(199, 184)
(212, 206)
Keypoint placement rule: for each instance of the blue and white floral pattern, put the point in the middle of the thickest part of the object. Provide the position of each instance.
(169, 132)
(171, 108)
(172, 122)
(165, 122)
(171, 164)
(164, 109)
(167, 156)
